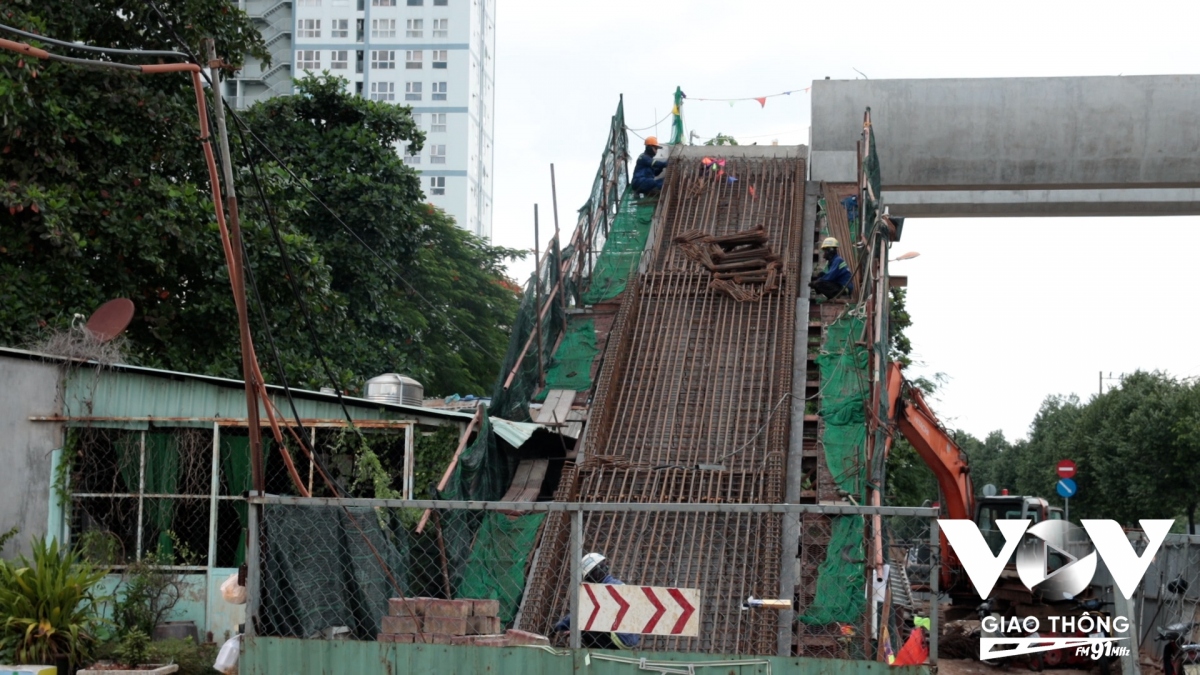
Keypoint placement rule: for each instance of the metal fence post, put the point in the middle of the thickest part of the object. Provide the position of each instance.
(935, 572)
(253, 580)
(576, 553)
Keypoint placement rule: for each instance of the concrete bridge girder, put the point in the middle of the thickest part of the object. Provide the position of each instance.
(1064, 146)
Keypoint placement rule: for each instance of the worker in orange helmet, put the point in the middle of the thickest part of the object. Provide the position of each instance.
(647, 170)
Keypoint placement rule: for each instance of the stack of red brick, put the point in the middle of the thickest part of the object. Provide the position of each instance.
(450, 622)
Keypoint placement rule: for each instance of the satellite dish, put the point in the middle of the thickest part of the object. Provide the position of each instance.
(111, 319)
(989, 490)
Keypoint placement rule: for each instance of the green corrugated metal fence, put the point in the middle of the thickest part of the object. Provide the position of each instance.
(284, 656)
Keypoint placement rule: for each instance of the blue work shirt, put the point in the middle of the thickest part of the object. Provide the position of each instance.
(647, 168)
(838, 272)
(628, 640)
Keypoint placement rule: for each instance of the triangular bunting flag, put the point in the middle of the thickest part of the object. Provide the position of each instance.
(762, 101)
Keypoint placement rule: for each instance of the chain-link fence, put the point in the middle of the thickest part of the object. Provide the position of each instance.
(175, 495)
(698, 578)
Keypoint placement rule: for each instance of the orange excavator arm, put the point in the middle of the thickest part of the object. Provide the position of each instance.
(915, 419)
(920, 426)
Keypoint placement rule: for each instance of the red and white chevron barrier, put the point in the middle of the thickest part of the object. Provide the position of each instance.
(644, 610)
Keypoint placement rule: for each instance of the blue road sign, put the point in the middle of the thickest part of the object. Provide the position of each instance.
(1066, 488)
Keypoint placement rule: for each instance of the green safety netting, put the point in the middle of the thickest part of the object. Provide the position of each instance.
(623, 249)
(496, 568)
(320, 570)
(588, 266)
(512, 402)
(844, 387)
(571, 367)
(840, 595)
(677, 118)
(486, 552)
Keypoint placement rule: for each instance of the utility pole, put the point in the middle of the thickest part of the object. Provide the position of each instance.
(1110, 378)
(537, 296)
(250, 374)
(562, 297)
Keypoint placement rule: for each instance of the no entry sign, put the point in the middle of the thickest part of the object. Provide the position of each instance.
(1066, 469)
(645, 610)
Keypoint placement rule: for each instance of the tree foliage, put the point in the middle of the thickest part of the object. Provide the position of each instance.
(422, 296)
(1137, 448)
(105, 194)
(721, 139)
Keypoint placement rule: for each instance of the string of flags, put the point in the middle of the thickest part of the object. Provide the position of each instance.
(762, 100)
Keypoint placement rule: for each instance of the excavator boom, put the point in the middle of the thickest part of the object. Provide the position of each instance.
(915, 419)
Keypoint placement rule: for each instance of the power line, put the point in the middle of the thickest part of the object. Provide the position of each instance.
(90, 48)
(355, 234)
(237, 118)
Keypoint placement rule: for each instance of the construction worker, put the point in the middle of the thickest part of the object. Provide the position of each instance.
(595, 571)
(836, 280)
(645, 173)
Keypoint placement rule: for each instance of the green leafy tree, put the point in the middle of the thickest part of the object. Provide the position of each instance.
(1132, 460)
(432, 299)
(899, 346)
(721, 139)
(105, 194)
(104, 190)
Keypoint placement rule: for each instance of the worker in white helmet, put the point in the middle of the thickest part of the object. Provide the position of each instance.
(595, 571)
(836, 280)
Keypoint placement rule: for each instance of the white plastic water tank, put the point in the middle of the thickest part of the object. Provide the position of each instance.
(395, 388)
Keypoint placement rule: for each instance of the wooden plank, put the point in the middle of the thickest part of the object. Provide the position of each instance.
(462, 445)
(563, 408)
(520, 478)
(527, 483)
(546, 413)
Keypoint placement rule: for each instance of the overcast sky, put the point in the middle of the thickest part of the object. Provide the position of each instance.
(1011, 310)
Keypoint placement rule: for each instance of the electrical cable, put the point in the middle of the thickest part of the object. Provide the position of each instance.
(196, 72)
(396, 273)
(90, 48)
(338, 489)
(310, 325)
(664, 119)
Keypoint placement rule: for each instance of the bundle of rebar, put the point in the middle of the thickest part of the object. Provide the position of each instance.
(737, 261)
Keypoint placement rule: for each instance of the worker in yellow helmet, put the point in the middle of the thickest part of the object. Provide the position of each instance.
(836, 280)
(647, 170)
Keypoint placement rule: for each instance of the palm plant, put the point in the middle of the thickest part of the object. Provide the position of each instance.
(48, 606)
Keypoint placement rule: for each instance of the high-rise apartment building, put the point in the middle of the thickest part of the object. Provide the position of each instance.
(434, 55)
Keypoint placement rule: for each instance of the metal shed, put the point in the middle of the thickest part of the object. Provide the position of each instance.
(146, 461)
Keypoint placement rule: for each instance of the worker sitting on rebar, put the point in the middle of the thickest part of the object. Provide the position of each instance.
(836, 279)
(645, 173)
(595, 571)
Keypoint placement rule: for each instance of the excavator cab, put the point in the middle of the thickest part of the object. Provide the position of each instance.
(1009, 507)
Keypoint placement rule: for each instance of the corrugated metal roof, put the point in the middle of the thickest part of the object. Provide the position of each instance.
(122, 390)
(514, 433)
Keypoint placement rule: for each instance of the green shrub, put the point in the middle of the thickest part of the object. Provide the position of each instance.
(147, 595)
(193, 659)
(49, 606)
(134, 649)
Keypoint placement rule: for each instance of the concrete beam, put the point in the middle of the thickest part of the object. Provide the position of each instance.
(1043, 203)
(1018, 146)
